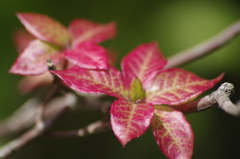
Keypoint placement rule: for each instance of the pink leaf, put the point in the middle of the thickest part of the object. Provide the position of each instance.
(177, 86)
(33, 60)
(173, 134)
(94, 81)
(88, 55)
(45, 28)
(85, 30)
(21, 39)
(130, 120)
(143, 62)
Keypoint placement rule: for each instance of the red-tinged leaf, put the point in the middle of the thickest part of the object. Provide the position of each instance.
(136, 91)
(94, 81)
(33, 60)
(173, 134)
(130, 120)
(45, 28)
(85, 30)
(143, 62)
(177, 86)
(88, 55)
(21, 39)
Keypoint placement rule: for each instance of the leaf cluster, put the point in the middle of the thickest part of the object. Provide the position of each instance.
(142, 89)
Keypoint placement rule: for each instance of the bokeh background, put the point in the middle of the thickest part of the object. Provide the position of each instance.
(175, 25)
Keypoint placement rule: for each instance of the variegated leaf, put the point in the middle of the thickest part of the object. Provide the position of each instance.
(143, 62)
(94, 81)
(173, 134)
(177, 86)
(130, 120)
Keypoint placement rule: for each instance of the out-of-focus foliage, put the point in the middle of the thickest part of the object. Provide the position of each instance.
(175, 25)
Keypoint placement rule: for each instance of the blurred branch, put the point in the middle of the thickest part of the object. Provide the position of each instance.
(23, 118)
(219, 98)
(15, 145)
(20, 120)
(41, 108)
(204, 48)
(93, 128)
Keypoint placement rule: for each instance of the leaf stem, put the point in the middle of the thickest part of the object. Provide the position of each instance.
(42, 106)
(93, 128)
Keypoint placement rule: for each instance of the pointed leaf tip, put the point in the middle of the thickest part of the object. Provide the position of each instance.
(88, 55)
(130, 120)
(45, 28)
(143, 62)
(177, 86)
(173, 134)
(94, 81)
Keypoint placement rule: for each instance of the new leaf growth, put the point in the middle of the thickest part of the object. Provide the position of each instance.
(142, 85)
(143, 89)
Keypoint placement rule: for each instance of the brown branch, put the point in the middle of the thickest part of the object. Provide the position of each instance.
(219, 98)
(42, 106)
(24, 117)
(93, 128)
(17, 144)
(205, 48)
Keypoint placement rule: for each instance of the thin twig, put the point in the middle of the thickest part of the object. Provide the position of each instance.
(42, 106)
(204, 48)
(93, 128)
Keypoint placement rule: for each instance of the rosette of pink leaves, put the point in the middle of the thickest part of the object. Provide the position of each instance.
(140, 91)
(77, 43)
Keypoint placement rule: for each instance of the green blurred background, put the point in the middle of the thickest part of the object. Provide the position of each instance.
(175, 25)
